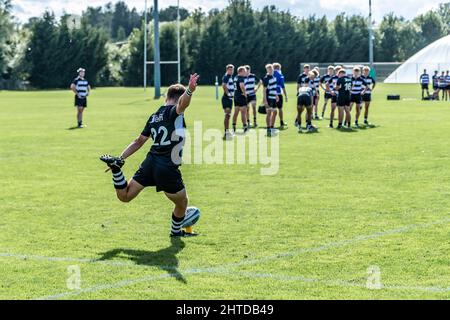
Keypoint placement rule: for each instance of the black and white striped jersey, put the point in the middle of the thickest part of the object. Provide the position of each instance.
(358, 85)
(270, 84)
(81, 86)
(229, 82)
(305, 91)
(424, 79)
(250, 84)
(317, 84)
(332, 83)
(302, 78)
(312, 84)
(370, 82)
(324, 80)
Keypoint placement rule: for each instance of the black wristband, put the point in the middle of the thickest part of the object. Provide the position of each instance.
(188, 92)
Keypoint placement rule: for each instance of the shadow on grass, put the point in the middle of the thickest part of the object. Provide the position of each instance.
(74, 128)
(164, 259)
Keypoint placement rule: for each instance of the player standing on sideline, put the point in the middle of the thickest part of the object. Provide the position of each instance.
(160, 168)
(323, 84)
(227, 99)
(367, 96)
(270, 98)
(251, 91)
(344, 86)
(435, 80)
(443, 85)
(80, 86)
(358, 87)
(240, 99)
(425, 83)
(302, 79)
(331, 86)
(317, 93)
(280, 91)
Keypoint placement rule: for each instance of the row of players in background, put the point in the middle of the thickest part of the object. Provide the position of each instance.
(243, 88)
(441, 83)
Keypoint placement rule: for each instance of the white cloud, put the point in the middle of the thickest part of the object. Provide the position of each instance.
(24, 9)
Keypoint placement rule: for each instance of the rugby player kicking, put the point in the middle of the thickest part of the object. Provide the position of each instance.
(160, 168)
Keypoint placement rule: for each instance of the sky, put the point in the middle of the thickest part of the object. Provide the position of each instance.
(24, 9)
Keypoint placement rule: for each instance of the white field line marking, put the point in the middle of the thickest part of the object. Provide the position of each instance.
(340, 243)
(223, 268)
(237, 264)
(341, 283)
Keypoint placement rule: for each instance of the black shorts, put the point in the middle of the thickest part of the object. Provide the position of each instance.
(227, 103)
(367, 97)
(425, 86)
(272, 103)
(315, 99)
(160, 172)
(327, 95)
(251, 98)
(356, 98)
(334, 98)
(435, 87)
(343, 100)
(280, 101)
(304, 100)
(240, 101)
(80, 102)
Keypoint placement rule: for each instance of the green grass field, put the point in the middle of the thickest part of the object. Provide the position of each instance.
(341, 204)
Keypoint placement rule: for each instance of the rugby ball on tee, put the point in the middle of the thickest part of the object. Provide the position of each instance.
(192, 217)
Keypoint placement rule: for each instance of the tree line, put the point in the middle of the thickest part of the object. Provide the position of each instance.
(109, 42)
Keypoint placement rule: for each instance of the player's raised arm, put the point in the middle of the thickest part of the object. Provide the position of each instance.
(185, 99)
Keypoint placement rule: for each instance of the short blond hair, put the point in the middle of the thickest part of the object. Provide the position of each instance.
(316, 72)
(366, 68)
(307, 66)
(230, 66)
(276, 66)
(330, 68)
(312, 73)
(242, 68)
(269, 65)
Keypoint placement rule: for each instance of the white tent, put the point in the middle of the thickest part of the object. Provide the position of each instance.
(436, 56)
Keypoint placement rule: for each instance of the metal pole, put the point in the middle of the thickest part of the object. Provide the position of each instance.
(217, 87)
(370, 35)
(178, 31)
(156, 51)
(145, 47)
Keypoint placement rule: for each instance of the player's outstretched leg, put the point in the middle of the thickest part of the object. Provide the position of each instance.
(125, 191)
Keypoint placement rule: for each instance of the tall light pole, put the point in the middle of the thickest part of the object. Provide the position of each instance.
(145, 47)
(370, 35)
(178, 39)
(157, 59)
